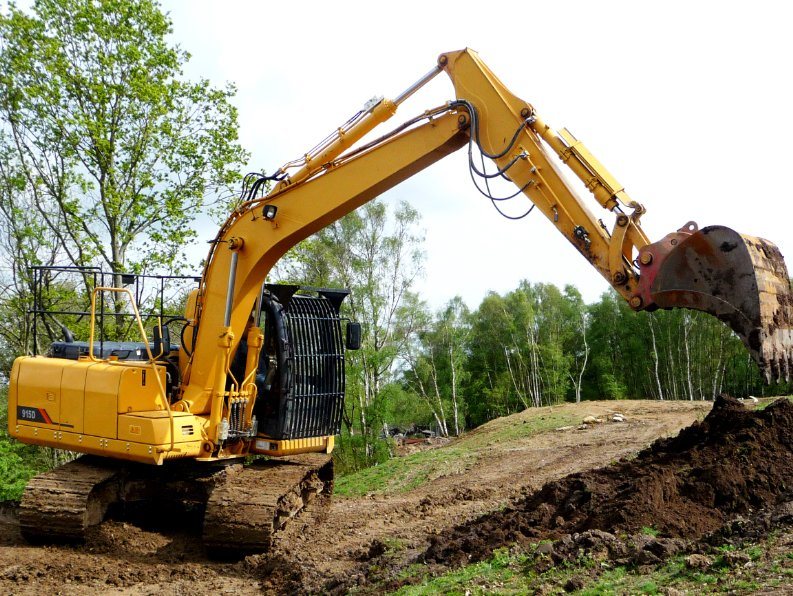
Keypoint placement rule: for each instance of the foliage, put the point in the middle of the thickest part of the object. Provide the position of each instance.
(18, 462)
(405, 409)
(525, 350)
(373, 252)
(107, 152)
(113, 149)
(356, 452)
(677, 354)
(435, 359)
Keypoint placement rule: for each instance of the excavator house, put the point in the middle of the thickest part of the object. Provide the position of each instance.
(258, 368)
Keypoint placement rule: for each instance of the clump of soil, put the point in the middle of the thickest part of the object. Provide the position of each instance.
(735, 462)
(753, 528)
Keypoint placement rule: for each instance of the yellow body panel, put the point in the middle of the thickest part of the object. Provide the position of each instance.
(41, 379)
(279, 448)
(127, 450)
(139, 390)
(101, 399)
(103, 408)
(72, 397)
(153, 428)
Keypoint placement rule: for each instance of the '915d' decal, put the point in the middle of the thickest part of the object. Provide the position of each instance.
(27, 414)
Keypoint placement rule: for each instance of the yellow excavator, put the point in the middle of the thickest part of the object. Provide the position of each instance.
(260, 368)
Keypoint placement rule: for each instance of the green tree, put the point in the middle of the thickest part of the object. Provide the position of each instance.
(536, 362)
(377, 256)
(118, 151)
(676, 354)
(575, 342)
(107, 153)
(528, 348)
(26, 241)
(435, 364)
(488, 391)
(605, 378)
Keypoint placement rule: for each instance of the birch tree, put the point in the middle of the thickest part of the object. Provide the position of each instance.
(376, 254)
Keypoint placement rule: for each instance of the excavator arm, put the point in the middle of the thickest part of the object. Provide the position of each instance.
(741, 280)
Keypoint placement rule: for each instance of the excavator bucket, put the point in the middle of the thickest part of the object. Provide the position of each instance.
(742, 280)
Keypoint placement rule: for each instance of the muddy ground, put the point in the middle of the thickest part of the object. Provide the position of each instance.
(736, 462)
(429, 523)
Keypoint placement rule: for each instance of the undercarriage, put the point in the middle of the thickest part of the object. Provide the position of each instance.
(242, 506)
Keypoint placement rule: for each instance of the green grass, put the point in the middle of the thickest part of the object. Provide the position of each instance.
(403, 474)
(767, 401)
(509, 429)
(503, 573)
(512, 572)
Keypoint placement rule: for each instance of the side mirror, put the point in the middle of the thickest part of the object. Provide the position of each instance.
(162, 340)
(353, 336)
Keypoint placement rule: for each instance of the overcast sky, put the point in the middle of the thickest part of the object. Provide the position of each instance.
(688, 104)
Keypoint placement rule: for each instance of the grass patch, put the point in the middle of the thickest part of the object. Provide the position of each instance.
(503, 573)
(767, 401)
(510, 429)
(514, 572)
(403, 474)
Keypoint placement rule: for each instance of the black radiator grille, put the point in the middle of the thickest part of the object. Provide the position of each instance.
(304, 395)
(314, 405)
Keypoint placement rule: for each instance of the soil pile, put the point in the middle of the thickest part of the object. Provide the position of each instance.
(735, 462)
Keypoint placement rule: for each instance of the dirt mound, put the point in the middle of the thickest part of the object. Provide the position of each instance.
(734, 462)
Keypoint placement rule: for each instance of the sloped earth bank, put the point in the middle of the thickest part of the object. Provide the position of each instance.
(435, 522)
(727, 478)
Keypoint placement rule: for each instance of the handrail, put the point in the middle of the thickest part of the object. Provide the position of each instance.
(152, 359)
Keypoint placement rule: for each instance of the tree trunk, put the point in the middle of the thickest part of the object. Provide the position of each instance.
(655, 359)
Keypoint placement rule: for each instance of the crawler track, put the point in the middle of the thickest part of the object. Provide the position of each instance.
(61, 504)
(243, 506)
(244, 512)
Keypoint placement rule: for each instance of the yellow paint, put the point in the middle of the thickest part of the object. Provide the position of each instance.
(73, 396)
(119, 449)
(153, 427)
(102, 383)
(138, 390)
(41, 377)
(267, 446)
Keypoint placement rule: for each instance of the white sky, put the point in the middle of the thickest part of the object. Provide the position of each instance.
(688, 104)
